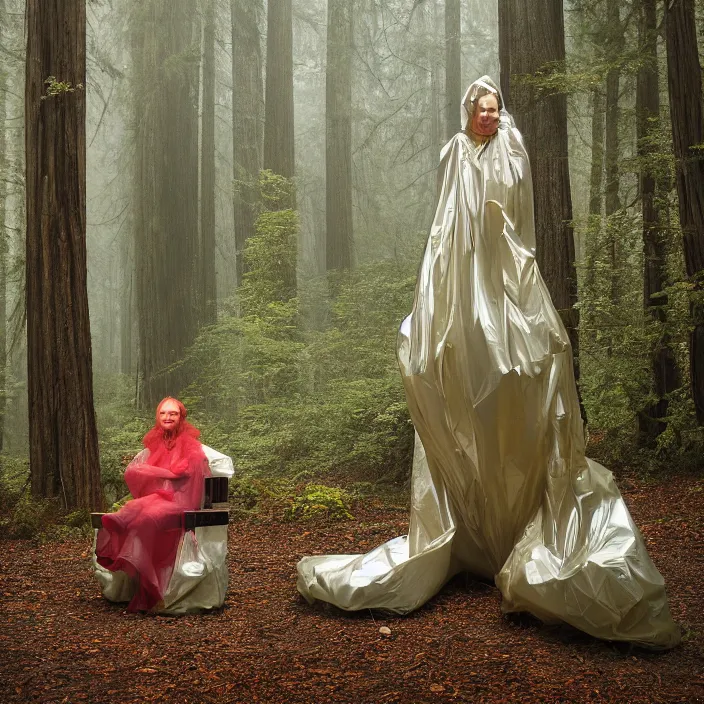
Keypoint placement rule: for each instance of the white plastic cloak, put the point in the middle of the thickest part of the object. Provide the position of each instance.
(500, 486)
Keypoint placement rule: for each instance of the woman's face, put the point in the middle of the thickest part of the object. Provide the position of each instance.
(486, 116)
(169, 415)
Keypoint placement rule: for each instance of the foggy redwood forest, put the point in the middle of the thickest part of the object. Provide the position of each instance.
(227, 201)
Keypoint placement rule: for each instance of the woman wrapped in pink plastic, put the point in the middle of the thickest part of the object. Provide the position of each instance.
(165, 479)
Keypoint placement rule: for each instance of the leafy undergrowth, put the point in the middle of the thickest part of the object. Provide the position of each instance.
(61, 642)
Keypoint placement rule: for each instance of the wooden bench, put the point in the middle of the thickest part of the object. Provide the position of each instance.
(213, 513)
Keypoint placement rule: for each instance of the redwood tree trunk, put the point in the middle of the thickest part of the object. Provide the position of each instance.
(278, 123)
(63, 441)
(596, 178)
(208, 308)
(665, 375)
(4, 175)
(685, 86)
(166, 193)
(537, 41)
(613, 81)
(338, 136)
(505, 11)
(453, 65)
(612, 199)
(126, 306)
(247, 100)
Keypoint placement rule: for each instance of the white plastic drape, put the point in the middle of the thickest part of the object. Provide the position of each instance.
(500, 487)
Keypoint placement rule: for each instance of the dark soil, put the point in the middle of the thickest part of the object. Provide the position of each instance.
(60, 641)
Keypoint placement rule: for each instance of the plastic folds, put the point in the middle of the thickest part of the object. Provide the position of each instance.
(198, 577)
(500, 487)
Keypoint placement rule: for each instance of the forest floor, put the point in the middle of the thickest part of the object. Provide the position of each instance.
(60, 641)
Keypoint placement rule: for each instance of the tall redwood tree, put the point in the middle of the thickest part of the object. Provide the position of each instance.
(208, 307)
(63, 441)
(664, 369)
(453, 66)
(247, 102)
(338, 135)
(684, 76)
(167, 251)
(533, 40)
(278, 121)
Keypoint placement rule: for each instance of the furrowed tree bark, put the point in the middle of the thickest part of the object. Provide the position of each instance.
(278, 122)
(612, 200)
(665, 374)
(453, 66)
(247, 101)
(4, 176)
(437, 121)
(596, 178)
(613, 81)
(338, 136)
(505, 12)
(166, 183)
(685, 87)
(208, 307)
(126, 306)
(536, 42)
(63, 440)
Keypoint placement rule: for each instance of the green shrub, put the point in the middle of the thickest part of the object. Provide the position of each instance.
(29, 517)
(244, 493)
(14, 479)
(77, 519)
(119, 443)
(117, 505)
(318, 500)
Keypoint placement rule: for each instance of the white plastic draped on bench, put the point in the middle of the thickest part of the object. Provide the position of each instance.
(199, 579)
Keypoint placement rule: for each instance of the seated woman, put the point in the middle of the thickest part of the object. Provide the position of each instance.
(166, 479)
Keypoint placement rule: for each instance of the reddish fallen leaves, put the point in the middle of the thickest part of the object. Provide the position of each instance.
(61, 642)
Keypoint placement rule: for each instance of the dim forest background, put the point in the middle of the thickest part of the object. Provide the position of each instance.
(239, 194)
(227, 201)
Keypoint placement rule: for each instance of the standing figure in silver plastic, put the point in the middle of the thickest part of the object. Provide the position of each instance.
(500, 487)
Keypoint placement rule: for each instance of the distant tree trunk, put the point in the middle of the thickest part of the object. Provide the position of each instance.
(505, 12)
(166, 182)
(453, 65)
(278, 122)
(247, 101)
(612, 200)
(537, 41)
(3, 239)
(126, 307)
(63, 446)
(4, 176)
(685, 85)
(613, 80)
(596, 179)
(338, 136)
(207, 179)
(665, 375)
(437, 123)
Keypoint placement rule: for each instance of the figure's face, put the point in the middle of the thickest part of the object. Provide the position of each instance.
(486, 116)
(169, 415)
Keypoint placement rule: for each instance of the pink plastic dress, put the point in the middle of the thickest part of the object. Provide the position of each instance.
(142, 538)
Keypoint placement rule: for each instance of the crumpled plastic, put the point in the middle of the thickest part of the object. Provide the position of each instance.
(200, 576)
(501, 487)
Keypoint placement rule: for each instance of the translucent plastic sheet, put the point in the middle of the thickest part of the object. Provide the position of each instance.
(500, 487)
(199, 578)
